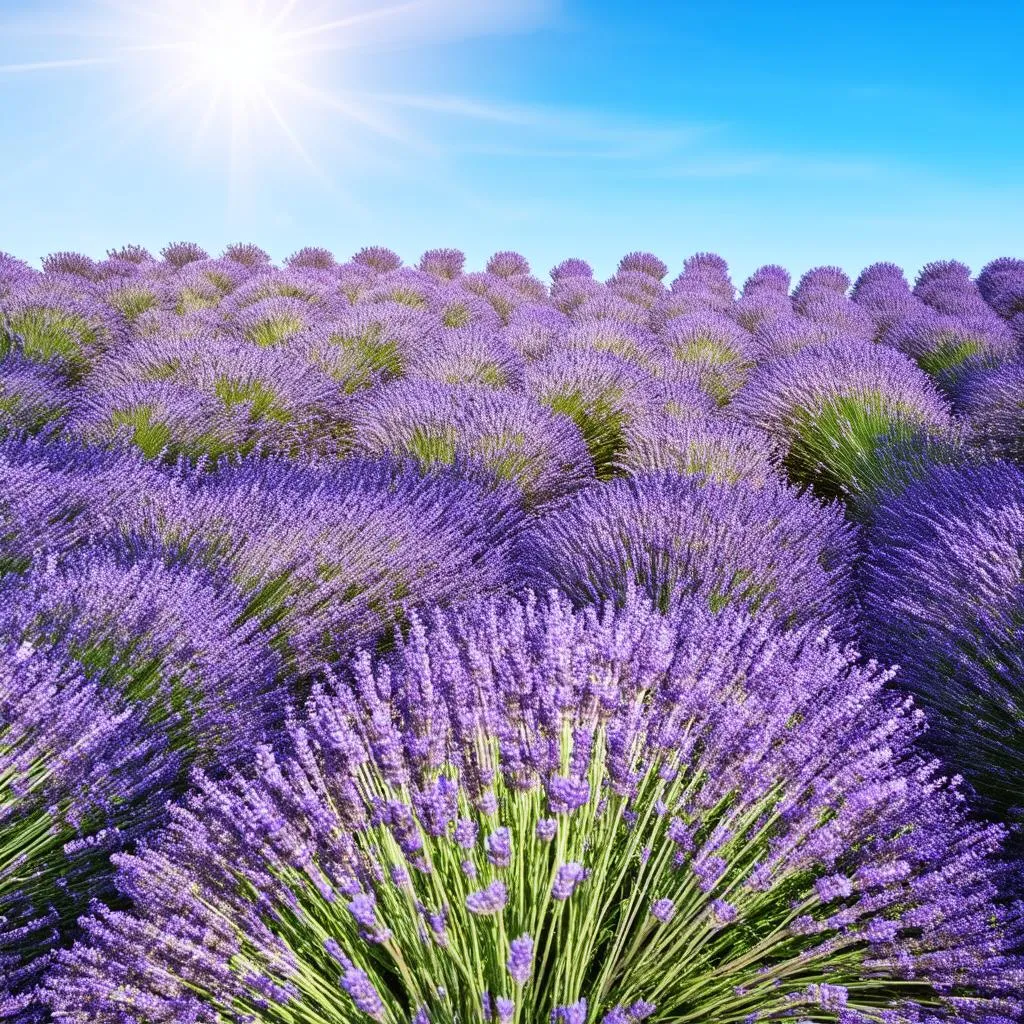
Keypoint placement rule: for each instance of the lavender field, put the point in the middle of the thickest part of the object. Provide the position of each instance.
(426, 645)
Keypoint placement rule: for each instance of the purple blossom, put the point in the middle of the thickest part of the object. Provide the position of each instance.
(664, 909)
(520, 959)
(567, 878)
(490, 900)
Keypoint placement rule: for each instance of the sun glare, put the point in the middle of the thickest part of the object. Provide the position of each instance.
(236, 49)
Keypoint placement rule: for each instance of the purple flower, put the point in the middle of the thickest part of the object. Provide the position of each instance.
(567, 878)
(520, 959)
(663, 909)
(547, 828)
(490, 900)
(499, 847)
(575, 1013)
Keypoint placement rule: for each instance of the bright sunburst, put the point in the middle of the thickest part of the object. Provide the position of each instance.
(236, 49)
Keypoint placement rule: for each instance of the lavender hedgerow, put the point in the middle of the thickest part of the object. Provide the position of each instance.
(317, 288)
(754, 836)
(762, 306)
(180, 254)
(770, 277)
(32, 397)
(942, 585)
(942, 344)
(713, 447)
(818, 279)
(170, 636)
(496, 291)
(570, 292)
(839, 316)
(768, 549)
(991, 398)
(708, 272)
(329, 555)
(507, 264)
(315, 257)
(56, 495)
(633, 344)
(644, 263)
(605, 305)
(82, 772)
(599, 392)
(70, 263)
(446, 264)
(137, 254)
(572, 267)
(785, 336)
(679, 396)
(58, 324)
(716, 348)
(512, 437)
(1001, 284)
(833, 405)
(247, 254)
(458, 309)
(535, 330)
(378, 258)
(470, 355)
(637, 287)
(406, 286)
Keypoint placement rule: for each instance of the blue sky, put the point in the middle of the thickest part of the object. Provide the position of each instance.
(799, 133)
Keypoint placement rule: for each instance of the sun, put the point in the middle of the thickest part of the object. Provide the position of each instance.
(236, 48)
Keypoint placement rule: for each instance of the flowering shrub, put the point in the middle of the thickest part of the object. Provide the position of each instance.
(531, 813)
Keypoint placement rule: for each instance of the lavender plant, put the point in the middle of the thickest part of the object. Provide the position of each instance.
(769, 550)
(833, 406)
(82, 773)
(943, 597)
(530, 813)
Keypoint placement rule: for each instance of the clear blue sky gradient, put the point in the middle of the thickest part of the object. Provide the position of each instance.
(801, 133)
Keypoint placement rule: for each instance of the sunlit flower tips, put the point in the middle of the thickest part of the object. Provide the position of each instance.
(767, 549)
(833, 406)
(313, 257)
(82, 773)
(645, 263)
(137, 254)
(943, 271)
(817, 279)
(752, 797)
(572, 267)
(509, 436)
(179, 254)
(943, 598)
(714, 448)
(378, 258)
(247, 254)
(444, 264)
(507, 264)
(771, 277)
(74, 263)
(599, 392)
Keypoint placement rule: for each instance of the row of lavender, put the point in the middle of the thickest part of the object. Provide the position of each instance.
(286, 736)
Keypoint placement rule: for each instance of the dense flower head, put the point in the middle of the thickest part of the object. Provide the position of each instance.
(888, 304)
(768, 549)
(839, 316)
(706, 273)
(456, 309)
(943, 597)
(247, 254)
(507, 264)
(82, 773)
(447, 264)
(832, 405)
(178, 254)
(131, 254)
(689, 298)
(606, 305)
(761, 306)
(716, 348)
(644, 263)
(75, 263)
(813, 862)
(532, 288)
(890, 275)
(821, 279)
(312, 256)
(770, 277)
(712, 447)
(627, 341)
(572, 267)
(131, 297)
(512, 437)
(470, 355)
(378, 258)
(1001, 284)
(637, 287)
(943, 271)
(328, 555)
(599, 392)
(499, 292)
(535, 330)
(569, 293)
(678, 395)
(405, 286)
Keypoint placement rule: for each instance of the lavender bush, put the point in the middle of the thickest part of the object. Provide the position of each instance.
(531, 813)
